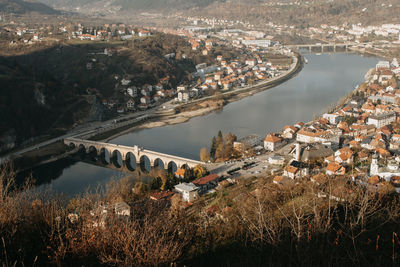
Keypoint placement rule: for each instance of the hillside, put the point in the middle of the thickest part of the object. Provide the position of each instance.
(48, 91)
(22, 7)
(128, 4)
(306, 13)
(301, 13)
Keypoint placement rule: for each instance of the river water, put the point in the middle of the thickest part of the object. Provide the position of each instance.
(323, 81)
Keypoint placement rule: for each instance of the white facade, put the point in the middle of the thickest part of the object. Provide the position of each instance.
(276, 160)
(383, 64)
(188, 191)
(382, 119)
(332, 118)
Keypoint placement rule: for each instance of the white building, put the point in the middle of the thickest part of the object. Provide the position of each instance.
(382, 119)
(276, 160)
(332, 118)
(272, 142)
(188, 191)
(382, 65)
(391, 170)
(132, 91)
(183, 96)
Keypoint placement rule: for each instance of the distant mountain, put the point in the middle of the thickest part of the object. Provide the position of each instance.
(21, 7)
(163, 4)
(302, 13)
(129, 4)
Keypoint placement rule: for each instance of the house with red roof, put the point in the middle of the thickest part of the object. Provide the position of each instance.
(335, 169)
(161, 195)
(272, 142)
(206, 183)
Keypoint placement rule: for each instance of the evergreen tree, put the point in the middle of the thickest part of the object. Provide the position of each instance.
(220, 139)
(213, 147)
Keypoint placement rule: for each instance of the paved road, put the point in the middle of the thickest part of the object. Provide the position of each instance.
(260, 168)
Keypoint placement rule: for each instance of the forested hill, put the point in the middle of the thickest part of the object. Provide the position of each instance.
(50, 90)
(22, 7)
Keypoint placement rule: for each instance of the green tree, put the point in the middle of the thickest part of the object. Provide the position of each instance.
(199, 171)
(213, 147)
(219, 153)
(220, 139)
(349, 119)
(156, 183)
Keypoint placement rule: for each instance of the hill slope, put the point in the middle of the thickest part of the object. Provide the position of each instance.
(47, 91)
(21, 7)
(302, 13)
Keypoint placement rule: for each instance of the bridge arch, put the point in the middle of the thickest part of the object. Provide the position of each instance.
(159, 164)
(116, 158)
(130, 161)
(71, 145)
(172, 167)
(105, 155)
(185, 166)
(145, 164)
(92, 151)
(82, 148)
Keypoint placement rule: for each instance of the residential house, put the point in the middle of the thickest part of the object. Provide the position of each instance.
(184, 96)
(130, 104)
(132, 91)
(181, 88)
(292, 172)
(273, 142)
(188, 191)
(163, 195)
(344, 156)
(382, 119)
(296, 169)
(206, 183)
(334, 168)
(180, 173)
(144, 33)
(289, 132)
(334, 118)
(145, 100)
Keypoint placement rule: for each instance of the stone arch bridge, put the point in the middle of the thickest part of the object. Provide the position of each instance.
(130, 155)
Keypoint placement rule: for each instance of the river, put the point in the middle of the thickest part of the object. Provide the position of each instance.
(323, 81)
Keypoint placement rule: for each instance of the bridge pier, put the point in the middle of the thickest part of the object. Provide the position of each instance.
(130, 155)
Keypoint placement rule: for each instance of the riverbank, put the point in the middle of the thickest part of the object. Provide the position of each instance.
(210, 104)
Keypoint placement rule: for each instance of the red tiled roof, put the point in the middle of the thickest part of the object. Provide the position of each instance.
(333, 167)
(206, 179)
(180, 172)
(161, 195)
(272, 138)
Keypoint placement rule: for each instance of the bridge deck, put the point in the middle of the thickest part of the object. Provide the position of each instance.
(143, 151)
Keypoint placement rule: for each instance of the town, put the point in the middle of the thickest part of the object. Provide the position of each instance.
(200, 133)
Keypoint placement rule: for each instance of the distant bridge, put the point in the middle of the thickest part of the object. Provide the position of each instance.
(131, 156)
(322, 46)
